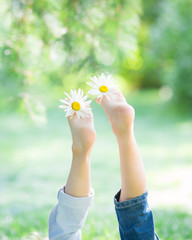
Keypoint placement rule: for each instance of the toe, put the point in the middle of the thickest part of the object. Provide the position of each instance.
(97, 100)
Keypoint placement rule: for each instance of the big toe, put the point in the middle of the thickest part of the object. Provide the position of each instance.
(97, 100)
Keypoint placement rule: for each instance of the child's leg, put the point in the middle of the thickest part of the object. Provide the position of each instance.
(83, 135)
(121, 117)
(134, 215)
(68, 216)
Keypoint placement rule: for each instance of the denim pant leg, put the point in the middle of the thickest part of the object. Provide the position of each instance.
(135, 218)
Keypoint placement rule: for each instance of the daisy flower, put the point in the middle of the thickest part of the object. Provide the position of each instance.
(102, 86)
(76, 103)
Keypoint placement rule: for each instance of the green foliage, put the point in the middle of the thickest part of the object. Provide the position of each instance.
(47, 46)
(168, 52)
(60, 43)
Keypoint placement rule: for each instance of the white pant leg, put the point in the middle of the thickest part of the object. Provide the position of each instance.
(68, 216)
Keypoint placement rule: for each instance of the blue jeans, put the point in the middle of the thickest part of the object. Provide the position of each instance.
(135, 218)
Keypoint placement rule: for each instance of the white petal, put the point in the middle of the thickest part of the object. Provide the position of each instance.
(109, 77)
(78, 115)
(65, 101)
(79, 92)
(100, 94)
(69, 110)
(92, 84)
(93, 92)
(85, 114)
(88, 102)
(102, 77)
(62, 106)
(67, 95)
(107, 96)
(95, 79)
(82, 115)
(69, 113)
(78, 96)
(84, 98)
(73, 94)
(100, 98)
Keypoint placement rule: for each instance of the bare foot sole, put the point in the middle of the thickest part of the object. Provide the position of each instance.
(83, 133)
(120, 114)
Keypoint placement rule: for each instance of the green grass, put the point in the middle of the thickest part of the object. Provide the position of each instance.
(35, 163)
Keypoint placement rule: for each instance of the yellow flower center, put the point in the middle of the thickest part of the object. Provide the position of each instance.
(76, 106)
(103, 89)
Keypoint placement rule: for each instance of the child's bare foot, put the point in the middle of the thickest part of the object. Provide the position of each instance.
(121, 116)
(119, 112)
(83, 133)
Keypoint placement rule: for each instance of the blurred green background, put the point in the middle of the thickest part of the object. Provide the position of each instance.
(48, 47)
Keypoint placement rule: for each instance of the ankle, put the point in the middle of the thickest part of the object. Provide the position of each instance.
(83, 141)
(123, 120)
(125, 136)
